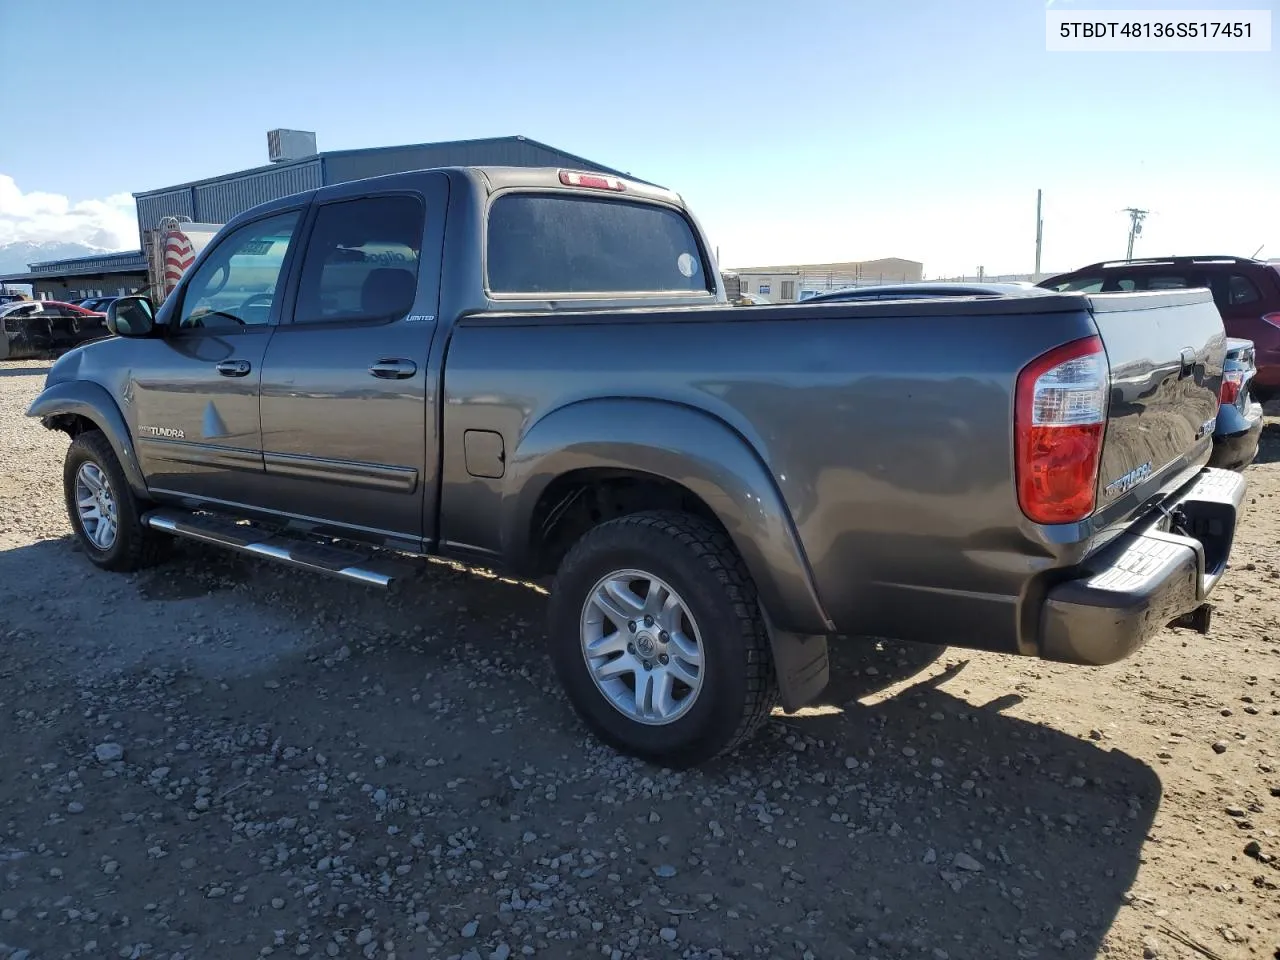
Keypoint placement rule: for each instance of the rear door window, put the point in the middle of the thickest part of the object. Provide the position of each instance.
(1233, 290)
(543, 244)
(361, 263)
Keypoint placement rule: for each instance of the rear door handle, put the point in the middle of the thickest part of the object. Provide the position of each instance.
(1188, 360)
(398, 369)
(234, 368)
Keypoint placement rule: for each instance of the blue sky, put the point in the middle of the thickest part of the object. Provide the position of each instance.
(808, 131)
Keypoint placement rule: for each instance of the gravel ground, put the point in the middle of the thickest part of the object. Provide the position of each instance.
(225, 759)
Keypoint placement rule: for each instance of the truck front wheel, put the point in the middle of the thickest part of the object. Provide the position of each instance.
(657, 637)
(103, 510)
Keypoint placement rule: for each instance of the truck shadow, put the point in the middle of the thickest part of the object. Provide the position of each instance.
(1269, 443)
(911, 824)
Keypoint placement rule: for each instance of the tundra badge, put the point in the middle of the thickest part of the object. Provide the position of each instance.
(169, 433)
(1128, 481)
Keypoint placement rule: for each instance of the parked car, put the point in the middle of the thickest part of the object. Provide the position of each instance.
(35, 327)
(1237, 431)
(537, 371)
(1247, 293)
(96, 304)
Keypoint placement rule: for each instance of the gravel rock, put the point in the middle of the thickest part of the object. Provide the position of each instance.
(1220, 746)
(316, 770)
(108, 752)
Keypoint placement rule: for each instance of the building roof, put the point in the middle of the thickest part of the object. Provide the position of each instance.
(130, 261)
(445, 145)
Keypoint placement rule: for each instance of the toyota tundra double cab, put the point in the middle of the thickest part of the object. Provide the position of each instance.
(536, 370)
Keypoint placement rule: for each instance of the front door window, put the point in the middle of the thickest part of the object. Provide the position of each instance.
(236, 285)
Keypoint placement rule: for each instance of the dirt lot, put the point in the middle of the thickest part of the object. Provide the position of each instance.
(223, 759)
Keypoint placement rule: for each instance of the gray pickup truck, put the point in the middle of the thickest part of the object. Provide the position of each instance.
(536, 371)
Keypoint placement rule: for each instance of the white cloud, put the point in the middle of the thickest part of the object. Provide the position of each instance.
(110, 223)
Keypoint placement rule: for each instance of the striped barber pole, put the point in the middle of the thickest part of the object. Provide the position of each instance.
(178, 256)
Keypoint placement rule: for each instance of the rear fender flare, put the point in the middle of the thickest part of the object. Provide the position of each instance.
(91, 401)
(685, 446)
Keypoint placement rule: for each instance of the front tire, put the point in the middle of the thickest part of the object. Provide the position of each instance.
(104, 513)
(656, 635)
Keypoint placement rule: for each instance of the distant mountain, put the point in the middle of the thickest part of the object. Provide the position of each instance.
(15, 256)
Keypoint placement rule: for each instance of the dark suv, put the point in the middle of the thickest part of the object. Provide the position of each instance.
(1247, 293)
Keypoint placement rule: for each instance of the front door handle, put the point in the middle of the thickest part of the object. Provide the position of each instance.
(398, 369)
(234, 368)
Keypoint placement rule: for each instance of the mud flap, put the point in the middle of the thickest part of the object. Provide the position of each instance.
(801, 663)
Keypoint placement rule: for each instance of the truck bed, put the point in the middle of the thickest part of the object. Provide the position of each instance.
(886, 427)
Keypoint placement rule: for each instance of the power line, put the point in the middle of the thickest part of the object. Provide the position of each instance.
(1136, 217)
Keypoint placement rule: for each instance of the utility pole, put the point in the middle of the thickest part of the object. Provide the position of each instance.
(1136, 217)
(1039, 232)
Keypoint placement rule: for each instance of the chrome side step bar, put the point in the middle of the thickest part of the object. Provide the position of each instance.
(350, 564)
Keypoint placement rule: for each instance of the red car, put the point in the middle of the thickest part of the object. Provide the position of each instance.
(1246, 291)
(34, 327)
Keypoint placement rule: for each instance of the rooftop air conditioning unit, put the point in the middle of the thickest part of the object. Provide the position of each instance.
(286, 145)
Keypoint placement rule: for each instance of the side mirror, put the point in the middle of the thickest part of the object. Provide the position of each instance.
(131, 317)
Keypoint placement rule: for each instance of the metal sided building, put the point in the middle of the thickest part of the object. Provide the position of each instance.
(101, 275)
(296, 166)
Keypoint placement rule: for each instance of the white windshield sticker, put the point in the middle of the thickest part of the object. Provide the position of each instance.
(687, 263)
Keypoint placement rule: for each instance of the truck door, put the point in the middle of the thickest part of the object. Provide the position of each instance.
(191, 396)
(348, 395)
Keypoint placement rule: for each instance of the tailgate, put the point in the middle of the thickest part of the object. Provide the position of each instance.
(1166, 354)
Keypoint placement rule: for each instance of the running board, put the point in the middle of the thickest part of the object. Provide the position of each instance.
(349, 564)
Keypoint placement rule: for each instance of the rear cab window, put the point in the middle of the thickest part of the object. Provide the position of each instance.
(545, 243)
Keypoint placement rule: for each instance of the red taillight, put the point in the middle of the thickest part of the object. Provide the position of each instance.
(1271, 318)
(594, 180)
(1229, 392)
(1059, 418)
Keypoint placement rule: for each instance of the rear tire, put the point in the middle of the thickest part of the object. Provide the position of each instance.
(685, 629)
(103, 510)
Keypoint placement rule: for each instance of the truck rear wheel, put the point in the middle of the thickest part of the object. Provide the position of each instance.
(657, 637)
(103, 510)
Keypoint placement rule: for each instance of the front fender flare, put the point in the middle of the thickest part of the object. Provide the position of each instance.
(686, 446)
(91, 401)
